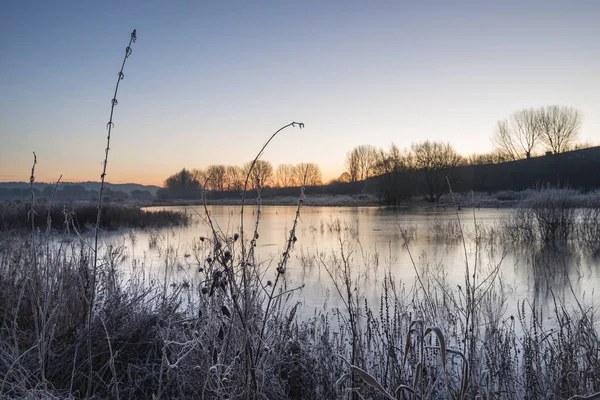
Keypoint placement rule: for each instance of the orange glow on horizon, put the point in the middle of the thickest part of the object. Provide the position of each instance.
(150, 178)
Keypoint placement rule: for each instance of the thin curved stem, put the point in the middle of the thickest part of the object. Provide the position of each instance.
(114, 102)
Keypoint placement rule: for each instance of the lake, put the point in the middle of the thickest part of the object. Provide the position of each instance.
(372, 240)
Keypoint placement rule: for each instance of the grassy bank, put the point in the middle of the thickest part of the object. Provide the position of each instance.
(501, 199)
(82, 216)
(324, 200)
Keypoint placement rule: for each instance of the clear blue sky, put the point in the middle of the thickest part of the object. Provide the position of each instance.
(208, 82)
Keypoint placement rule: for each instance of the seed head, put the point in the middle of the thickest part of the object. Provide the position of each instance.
(236, 237)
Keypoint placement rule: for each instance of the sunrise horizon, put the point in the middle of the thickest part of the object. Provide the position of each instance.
(208, 84)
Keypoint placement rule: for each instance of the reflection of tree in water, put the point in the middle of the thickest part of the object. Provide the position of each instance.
(554, 270)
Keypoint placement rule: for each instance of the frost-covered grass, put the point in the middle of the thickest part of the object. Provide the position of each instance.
(216, 323)
(81, 216)
(556, 217)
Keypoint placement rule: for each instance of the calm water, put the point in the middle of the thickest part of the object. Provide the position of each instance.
(375, 245)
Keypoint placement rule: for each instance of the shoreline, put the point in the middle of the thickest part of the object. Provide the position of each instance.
(361, 200)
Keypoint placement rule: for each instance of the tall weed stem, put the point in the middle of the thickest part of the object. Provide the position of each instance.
(114, 102)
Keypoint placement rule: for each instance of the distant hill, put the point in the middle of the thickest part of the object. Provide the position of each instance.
(77, 191)
(577, 169)
(123, 187)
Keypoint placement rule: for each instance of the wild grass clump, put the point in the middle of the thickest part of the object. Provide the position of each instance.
(445, 230)
(82, 217)
(587, 229)
(554, 214)
(43, 310)
(555, 217)
(563, 360)
(437, 341)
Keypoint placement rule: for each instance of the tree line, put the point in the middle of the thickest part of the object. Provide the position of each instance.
(421, 169)
(189, 184)
(523, 134)
(432, 160)
(424, 168)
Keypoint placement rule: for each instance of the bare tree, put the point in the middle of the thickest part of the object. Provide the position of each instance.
(559, 127)
(262, 173)
(517, 136)
(394, 160)
(360, 162)
(216, 177)
(234, 178)
(393, 183)
(314, 177)
(433, 160)
(352, 166)
(199, 175)
(344, 178)
(284, 175)
(494, 157)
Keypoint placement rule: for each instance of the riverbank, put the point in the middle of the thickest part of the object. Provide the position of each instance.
(463, 200)
(83, 216)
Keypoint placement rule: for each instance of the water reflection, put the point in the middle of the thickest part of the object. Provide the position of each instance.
(374, 239)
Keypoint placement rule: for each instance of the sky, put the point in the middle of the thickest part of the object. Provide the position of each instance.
(209, 82)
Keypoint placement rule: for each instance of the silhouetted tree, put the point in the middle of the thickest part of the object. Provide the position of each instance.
(393, 181)
(559, 127)
(199, 175)
(344, 177)
(517, 136)
(183, 185)
(234, 176)
(261, 174)
(494, 157)
(284, 175)
(433, 160)
(360, 162)
(215, 177)
(392, 160)
(312, 172)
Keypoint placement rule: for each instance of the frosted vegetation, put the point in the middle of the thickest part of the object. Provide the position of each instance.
(233, 328)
